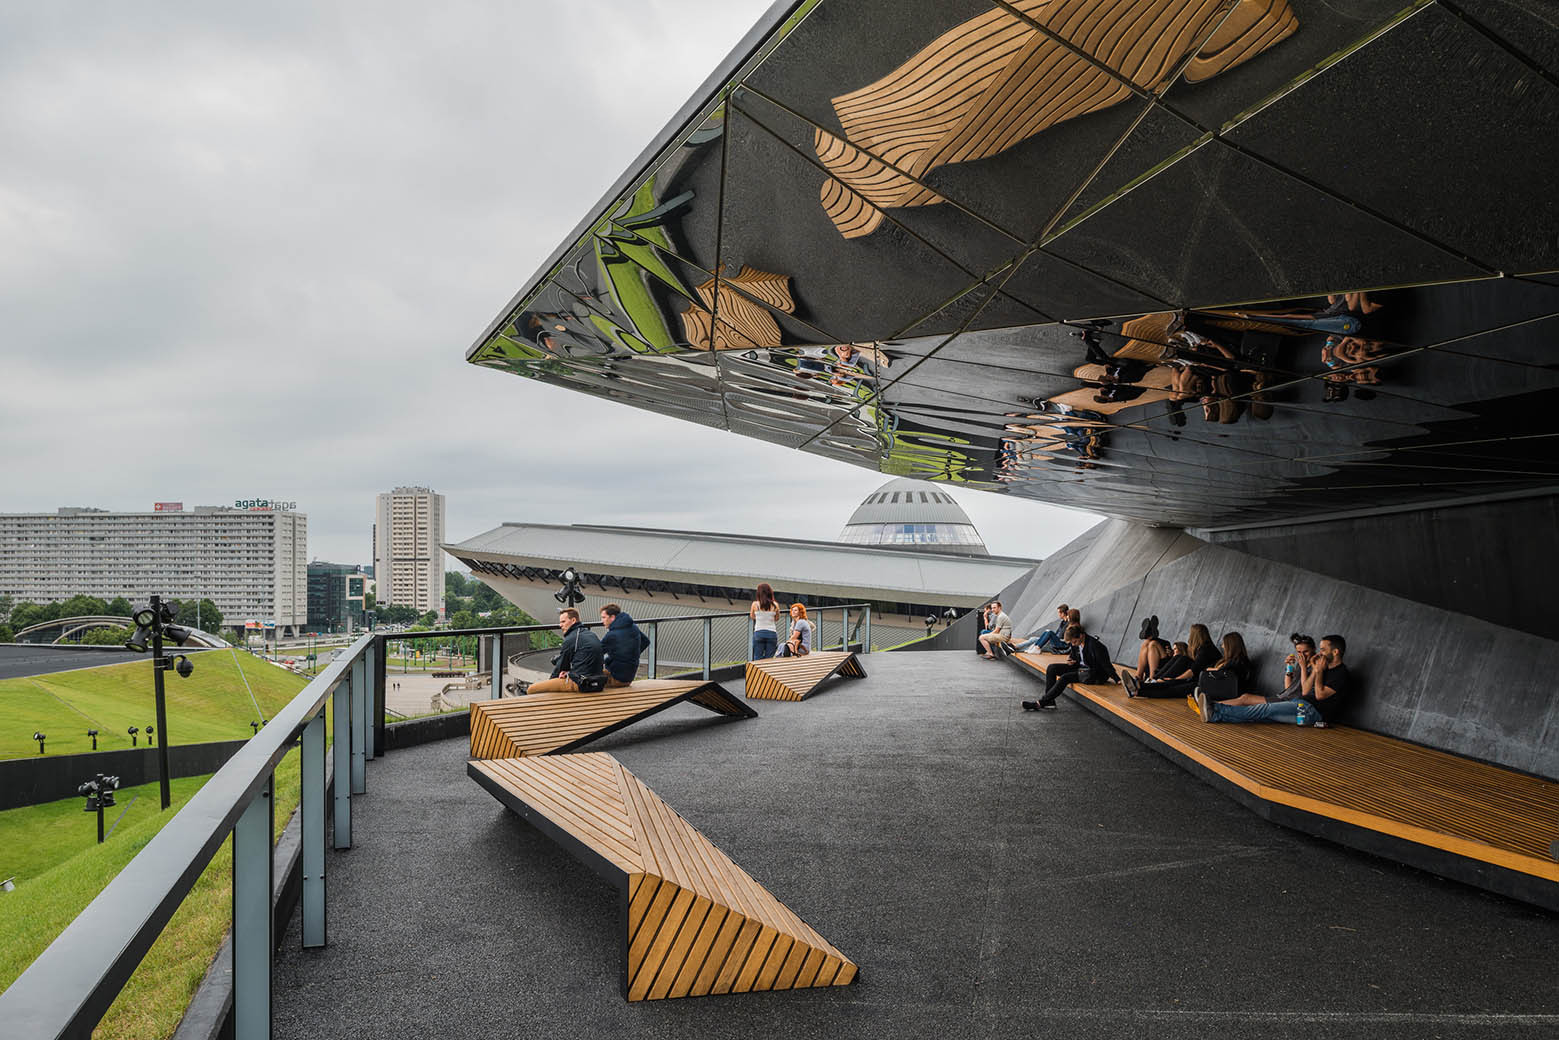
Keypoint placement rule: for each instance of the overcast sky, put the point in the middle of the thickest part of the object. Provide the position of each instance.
(243, 249)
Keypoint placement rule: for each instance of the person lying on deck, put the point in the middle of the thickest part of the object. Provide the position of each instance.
(1090, 663)
(1051, 640)
(1323, 688)
(1181, 679)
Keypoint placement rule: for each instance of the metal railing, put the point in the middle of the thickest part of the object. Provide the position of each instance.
(68, 989)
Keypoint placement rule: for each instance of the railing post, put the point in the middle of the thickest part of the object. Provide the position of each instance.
(866, 622)
(370, 743)
(495, 666)
(359, 720)
(312, 823)
(844, 629)
(381, 666)
(341, 741)
(654, 646)
(709, 624)
(252, 917)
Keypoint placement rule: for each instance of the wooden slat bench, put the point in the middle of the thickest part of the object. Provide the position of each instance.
(1467, 820)
(694, 922)
(551, 723)
(796, 678)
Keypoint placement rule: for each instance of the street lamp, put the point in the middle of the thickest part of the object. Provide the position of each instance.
(152, 623)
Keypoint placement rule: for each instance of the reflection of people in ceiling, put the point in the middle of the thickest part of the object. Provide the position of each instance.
(997, 79)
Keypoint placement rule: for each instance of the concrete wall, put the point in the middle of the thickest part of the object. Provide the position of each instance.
(1428, 675)
(48, 778)
(1495, 561)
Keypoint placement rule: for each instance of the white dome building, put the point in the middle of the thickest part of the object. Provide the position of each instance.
(913, 514)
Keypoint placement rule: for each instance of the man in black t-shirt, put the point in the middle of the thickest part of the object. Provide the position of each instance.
(1324, 687)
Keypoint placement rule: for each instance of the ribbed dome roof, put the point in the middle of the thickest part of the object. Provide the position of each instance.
(913, 514)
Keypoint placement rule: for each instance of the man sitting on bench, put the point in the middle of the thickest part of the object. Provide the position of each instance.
(1323, 686)
(620, 646)
(578, 661)
(1000, 633)
(1090, 664)
(1053, 639)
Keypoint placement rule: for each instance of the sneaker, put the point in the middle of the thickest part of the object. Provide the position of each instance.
(1030, 705)
(1204, 707)
(1129, 681)
(1046, 705)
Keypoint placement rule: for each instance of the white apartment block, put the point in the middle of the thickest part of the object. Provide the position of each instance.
(253, 564)
(408, 549)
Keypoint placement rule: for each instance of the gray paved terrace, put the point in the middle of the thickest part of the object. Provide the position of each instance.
(995, 873)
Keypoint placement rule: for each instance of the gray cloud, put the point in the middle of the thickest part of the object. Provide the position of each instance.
(267, 234)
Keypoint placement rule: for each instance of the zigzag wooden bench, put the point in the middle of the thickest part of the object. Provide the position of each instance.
(796, 678)
(695, 923)
(551, 723)
(1473, 822)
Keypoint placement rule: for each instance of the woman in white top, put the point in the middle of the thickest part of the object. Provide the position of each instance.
(800, 641)
(765, 617)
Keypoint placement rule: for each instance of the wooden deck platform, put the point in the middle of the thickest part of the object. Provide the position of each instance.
(694, 922)
(796, 678)
(1453, 816)
(551, 723)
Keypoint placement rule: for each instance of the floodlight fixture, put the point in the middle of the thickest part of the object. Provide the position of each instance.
(133, 730)
(150, 740)
(40, 738)
(93, 734)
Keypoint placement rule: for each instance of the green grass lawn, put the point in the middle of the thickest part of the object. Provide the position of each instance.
(52, 849)
(212, 704)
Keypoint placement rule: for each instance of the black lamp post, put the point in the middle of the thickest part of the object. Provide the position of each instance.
(150, 740)
(93, 734)
(133, 730)
(40, 738)
(151, 623)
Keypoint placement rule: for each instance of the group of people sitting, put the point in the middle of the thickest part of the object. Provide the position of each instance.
(1218, 680)
(587, 663)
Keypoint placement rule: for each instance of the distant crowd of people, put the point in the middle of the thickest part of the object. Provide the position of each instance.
(1218, 680)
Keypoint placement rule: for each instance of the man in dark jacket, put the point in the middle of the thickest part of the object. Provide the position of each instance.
(1090, 664)
(578, 660)
(622, 645)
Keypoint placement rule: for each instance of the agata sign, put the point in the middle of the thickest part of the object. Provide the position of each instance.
(266, 503)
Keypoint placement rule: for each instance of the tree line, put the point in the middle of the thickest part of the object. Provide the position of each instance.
(15, 616)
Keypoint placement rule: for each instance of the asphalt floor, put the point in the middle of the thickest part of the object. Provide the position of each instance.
(994, 872)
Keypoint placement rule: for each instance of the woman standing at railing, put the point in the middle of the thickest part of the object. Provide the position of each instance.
(765, 617)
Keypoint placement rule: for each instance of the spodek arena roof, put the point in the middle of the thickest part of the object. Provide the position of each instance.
(816, 568)
(1203, 263)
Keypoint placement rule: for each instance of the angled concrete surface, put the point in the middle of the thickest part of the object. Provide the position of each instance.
(996, 873)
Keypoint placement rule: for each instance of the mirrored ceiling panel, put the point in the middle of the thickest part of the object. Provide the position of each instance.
(1495, 113)
(1218, 227)
(1187, 262)
(1264, 47)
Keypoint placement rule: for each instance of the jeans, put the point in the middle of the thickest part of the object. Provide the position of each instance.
(764, 644)
(1297, 712)
(1046, 642)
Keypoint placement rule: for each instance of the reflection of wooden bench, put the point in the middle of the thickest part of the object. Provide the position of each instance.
(548, 723)
(1462, 819)
(795, 678)
(695, 922)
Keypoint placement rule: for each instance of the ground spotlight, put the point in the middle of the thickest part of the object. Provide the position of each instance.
(133, 730)
(93, 734)
(256, 727)
(40, 738)
(100, 795)
(150, 741)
